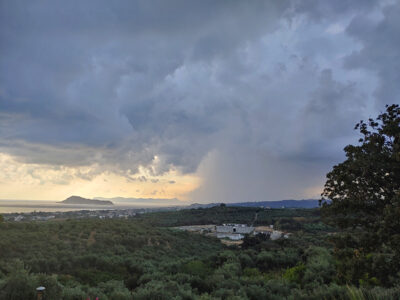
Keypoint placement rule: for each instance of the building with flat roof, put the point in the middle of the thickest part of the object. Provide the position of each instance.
(233, 231)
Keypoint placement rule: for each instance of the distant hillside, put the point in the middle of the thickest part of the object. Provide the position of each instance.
(306, 203)
(199, 205)
(150, 201)
(80, 200)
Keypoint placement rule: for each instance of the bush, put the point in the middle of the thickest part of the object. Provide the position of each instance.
(295, 274)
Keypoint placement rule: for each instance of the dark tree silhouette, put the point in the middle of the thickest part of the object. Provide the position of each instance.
(364, 188)
(363, 192)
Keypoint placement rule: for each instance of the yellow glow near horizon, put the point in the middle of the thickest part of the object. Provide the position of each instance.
(313, 192)
(22, 181)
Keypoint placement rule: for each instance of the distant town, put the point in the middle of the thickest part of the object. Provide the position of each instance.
(80, 214)
(115, 212)
(230, 234)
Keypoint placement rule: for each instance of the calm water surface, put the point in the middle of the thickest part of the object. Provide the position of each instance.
(25, 206)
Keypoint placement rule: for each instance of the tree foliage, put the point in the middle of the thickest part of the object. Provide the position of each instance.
(363, 194)
(363, 191)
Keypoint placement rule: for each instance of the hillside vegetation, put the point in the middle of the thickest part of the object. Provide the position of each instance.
(144, 258)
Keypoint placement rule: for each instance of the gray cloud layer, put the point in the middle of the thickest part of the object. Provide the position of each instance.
(259, 94)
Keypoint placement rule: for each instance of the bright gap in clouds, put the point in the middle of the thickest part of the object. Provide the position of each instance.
(23, 181)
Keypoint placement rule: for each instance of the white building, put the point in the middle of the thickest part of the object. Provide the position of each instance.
(276, 235)
(18, 218)
(231, 236)
(233, 231)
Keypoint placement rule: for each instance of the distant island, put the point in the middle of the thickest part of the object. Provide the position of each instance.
(80, 200)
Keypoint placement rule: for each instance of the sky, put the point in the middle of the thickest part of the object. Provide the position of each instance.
(204, 101)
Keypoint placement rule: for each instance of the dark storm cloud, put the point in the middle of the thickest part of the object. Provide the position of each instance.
(177, 84)
(380, 51)
(88, 74)
(322, 10)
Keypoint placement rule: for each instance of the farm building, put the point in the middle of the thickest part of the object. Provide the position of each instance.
(233, 231)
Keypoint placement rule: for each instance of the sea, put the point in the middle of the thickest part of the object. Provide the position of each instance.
(27, 206)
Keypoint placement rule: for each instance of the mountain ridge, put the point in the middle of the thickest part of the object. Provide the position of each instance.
(303, 203)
